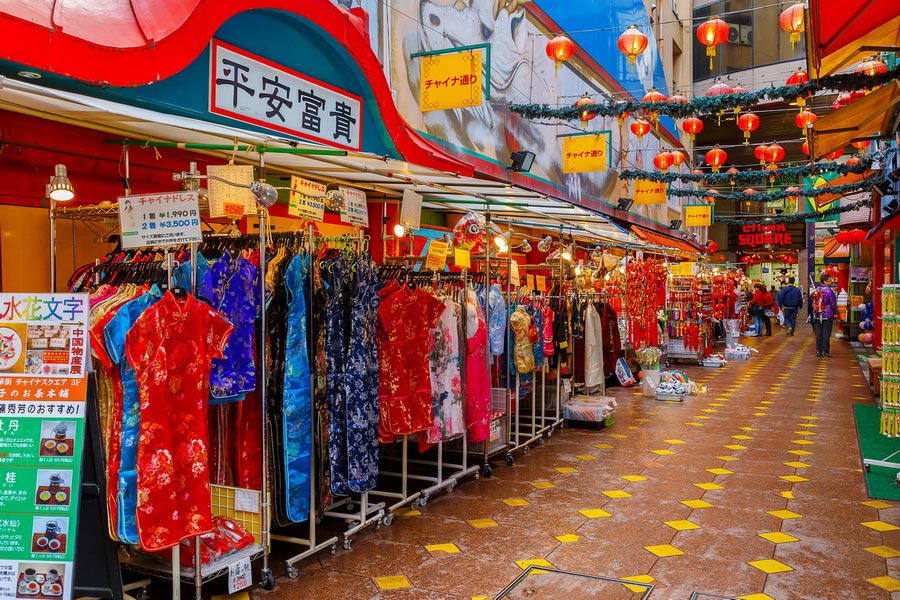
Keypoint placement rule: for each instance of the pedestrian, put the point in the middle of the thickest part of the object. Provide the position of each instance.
(790, 299)
(775, 311)
(822, 310)
(761, 309)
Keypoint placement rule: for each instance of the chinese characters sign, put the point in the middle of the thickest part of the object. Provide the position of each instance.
(450, 81)
(698, 215)
(42, 410)
(583, 153)
(251, 89)
(355, 210)
(165, 219)
(649, 192)
(306, 199)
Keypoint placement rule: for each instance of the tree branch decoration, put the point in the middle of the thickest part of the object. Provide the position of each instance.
(797, 217)
(845, 82)
(774, 194)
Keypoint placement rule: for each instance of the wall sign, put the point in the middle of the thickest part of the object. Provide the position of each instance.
(43, 349)
(698, 215)
(165, 219)
(450, 81)
(355, 210)
(754, 236)
(251, 89)
(649, 192)
(583, 153)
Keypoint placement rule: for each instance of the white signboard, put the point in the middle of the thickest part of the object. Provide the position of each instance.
(251, 89)
(165, 219)
(228, 200)
(411, 209)
(355, 211)
(306, 199)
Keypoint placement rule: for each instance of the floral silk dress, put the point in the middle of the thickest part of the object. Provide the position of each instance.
(171, 347)
(478, 382)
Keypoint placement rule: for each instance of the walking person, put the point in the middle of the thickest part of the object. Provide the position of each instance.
(822, 310)
(761, 307)
(790, 299)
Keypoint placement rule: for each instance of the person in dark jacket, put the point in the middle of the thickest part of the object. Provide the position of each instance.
(822, 311)
(762, 301)
(789, 300)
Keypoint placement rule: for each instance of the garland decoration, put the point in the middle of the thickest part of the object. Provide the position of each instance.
(796, 217)
(774, 194)
(844, 82)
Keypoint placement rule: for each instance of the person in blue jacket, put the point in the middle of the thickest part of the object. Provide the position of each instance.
(789, 300)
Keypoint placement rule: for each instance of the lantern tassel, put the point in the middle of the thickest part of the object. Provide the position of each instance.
(710, 52)
(795, 37)
(746, 138)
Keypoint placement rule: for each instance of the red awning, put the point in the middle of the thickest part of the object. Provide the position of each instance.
(840, 32)
(665, 241)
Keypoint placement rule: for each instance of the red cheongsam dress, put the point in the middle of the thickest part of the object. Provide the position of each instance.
(171, 347)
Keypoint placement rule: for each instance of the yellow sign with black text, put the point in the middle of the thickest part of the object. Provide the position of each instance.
(450, 81)
(698, 215)
(649, 192)
(584, 153)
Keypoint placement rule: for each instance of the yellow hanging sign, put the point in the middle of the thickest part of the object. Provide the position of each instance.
(450, 81)
(584, 153)
(649, 192)
(437, 255)
(698, 215)
(685, 269)
(462, 258)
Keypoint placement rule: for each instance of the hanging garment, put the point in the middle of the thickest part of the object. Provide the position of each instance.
(593, 349)
(536, 333)
(446, 383)
(478, 382)
(297, 397)
(320, 393)
(496, 319)
(407, 317)
(577, 310)
(523, 353)
(612, 338)
(547, 317)
(171, 347)
(336, 279)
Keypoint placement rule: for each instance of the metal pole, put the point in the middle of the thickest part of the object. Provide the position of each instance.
(52, 242)
(267, 581)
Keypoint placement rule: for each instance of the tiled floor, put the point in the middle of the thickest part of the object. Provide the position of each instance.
(752, 490)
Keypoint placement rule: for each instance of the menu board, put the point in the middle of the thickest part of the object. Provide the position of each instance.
(43, 349)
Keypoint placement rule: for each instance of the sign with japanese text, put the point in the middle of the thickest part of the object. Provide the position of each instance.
(698, 215)
(437, 255)
(583, 153)
(43, 348)
(450, 80)
(165, 219)
(649, 192)
(355, 210)
(253, 90)
(227, 200)
(306, 199)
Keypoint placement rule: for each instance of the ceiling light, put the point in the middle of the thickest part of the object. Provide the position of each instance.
(60, 187)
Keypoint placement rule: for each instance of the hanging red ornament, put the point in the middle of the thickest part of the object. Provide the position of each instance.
(632, 44)
(793, 22)
(653, 95)
(805, 148)
(560, 49)
(731, 173)
(677, 158)
(760, 153)
(640, 128)
(805, 119)
(799, 77)
(835, 155)
(712, 33)
(719, 88)
(774, 153)
(692, 126)
(738, 89)
(712, 246)
(747, 122)
(711, 198)
(716, 158)
(861, 145)
(663, 160)
(678, 99)
(584, 114)
(773, 172)
(871, 67)
(794, 196)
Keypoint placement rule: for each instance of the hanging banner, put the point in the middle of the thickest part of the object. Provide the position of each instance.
(411, 209)
(227, 200)
(355, 210)
(166, 219)
(698, 215)
(306, 201)
(437, 255)
(43, 349)
(649, 192)
(584, 153)
(450, 81)
(685, 269)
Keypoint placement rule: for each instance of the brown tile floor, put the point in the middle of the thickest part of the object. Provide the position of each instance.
(774, 433)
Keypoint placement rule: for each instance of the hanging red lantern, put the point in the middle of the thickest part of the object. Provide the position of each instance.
(692, 126)
(795, 193)
(584, 114)
(861, 145)
(711, 198)
(853, 160)
(711, 33)
(560, 49)
(747, 259)
(677, 158)
(632, 43)
(678, 99)
(712, 246)
(805, 148)
(760, 153)
(871, 67)
(774, 153)
(720, 88)
(773, 172)
(747, 122)
(851, 236)
(663, 160)
(798, 78)
(792, 21)
(738, 89)
(749, 192)
(640, 128)
(653, 95)
(805, 119)
(716, 158)
(835, 155)
(731, 173)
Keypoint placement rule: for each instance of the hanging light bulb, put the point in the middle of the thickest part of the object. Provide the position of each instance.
(567, 252)
(544, 244)
(399, 230)
(526, 246)
(502, 240)
(578, 268)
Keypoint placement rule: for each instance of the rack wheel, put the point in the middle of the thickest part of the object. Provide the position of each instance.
(333, 549)
(292, 572)
(487, 470)
(451, 487)
(541, 440)
(388, 519)
(266, 580)
(347, 543)
(421, 502)
(525, 450)
(549, 434)
(477, 475)
(509, 460)
(351, 506)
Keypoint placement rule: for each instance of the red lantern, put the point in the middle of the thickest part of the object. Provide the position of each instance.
(584, 114)
(731, 173)
(663, 160)
(654, 95)
(774, 153)
(835, 155)
(678, 99)
(747, 122)
(853, 160)
(798, 78)
(805, 119)
(805, 148)
(711, 198)
(711, 33)
(692, 126)
(795, 191)
(677, 157)
(712, 247)
(749, 192)
(719, 89)
(773, 172)
(871, 67)
(640, 128)
(632, 43)
(560, 49)
(792, 21)
(716, 158)
(861, 145)
(760, 153)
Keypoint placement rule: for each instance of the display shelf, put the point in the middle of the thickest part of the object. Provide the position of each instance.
(156, 566)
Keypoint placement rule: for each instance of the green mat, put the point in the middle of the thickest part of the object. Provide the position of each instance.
(874, 446)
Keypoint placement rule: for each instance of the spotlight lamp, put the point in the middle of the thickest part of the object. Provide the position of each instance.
(881, 188)
(625, 204)
(544, 244)
(522, 161)
(675, 224)
(399, 230)
(526, 246)
(567, 252)
(502, 240)
(60, 188)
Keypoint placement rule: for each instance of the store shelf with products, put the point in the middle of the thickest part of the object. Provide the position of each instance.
(687, 324)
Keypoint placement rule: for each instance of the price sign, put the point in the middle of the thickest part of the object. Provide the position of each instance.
(355, 211)
(514, 274)
(541, 283)
(462, 258)
(239, 575)
(233, 201)
(306, 201)
(437, 255)
(166, 219)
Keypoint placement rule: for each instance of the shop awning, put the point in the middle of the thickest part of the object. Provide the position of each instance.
(841, 32)
(823, 200)
(866, 116)
(665, 241)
